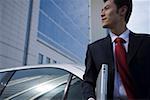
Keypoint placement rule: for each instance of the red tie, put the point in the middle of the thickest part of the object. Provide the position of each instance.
(122, 67)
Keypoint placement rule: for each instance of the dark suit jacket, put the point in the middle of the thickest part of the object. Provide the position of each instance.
(138, 58)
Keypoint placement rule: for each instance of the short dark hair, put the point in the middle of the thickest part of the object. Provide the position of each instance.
(120, 3)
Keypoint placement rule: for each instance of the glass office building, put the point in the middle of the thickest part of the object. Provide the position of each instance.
(43, 31)
(65, 25)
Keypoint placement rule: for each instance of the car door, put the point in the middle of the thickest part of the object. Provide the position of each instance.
(40, 84)
(75, 89)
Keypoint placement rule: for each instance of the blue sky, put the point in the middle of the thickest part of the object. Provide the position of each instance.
(140, 19)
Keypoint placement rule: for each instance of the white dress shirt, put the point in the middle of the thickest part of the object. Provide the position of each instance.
(119, 90)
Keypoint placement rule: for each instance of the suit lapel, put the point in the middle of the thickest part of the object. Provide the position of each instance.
(108, 47)
(134, 44)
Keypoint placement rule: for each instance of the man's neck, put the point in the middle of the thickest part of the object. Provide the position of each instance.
(119, 29)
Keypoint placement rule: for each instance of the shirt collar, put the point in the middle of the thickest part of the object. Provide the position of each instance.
(124, 35)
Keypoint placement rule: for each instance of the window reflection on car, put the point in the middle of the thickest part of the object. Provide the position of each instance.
(42, 84)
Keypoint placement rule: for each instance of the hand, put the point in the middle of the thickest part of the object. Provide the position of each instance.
(91, 99)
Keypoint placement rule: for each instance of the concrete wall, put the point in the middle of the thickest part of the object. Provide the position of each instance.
(13, 18)
(97, 31)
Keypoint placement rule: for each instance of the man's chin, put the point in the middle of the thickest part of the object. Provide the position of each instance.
(105, 26)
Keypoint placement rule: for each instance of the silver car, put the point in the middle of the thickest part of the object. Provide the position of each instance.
(42, 82)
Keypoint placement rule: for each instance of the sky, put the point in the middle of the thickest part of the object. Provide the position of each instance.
(140, 18)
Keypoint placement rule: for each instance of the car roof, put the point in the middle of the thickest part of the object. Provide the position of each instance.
(76, 69)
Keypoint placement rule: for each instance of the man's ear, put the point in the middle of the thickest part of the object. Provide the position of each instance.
(123, 10)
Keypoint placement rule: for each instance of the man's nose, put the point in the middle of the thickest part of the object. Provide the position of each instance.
(102, 14)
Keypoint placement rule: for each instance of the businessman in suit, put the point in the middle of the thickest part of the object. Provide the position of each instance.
(134, 83)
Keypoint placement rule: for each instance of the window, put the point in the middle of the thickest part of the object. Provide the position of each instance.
(75, 88)
(36, 84)
(40, 59)
(54, 61)
(48, 60)
(64, 24)
(1, 76)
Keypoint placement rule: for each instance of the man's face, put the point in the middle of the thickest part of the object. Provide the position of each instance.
(109, 14)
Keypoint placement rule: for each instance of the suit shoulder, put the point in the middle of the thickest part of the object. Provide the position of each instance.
(98, 42)
(142, 35)
(145, 37)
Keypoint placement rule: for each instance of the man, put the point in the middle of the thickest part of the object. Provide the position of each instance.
(135, 59)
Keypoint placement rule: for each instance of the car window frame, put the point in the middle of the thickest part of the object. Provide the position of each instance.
(4, 81)
(67, 87)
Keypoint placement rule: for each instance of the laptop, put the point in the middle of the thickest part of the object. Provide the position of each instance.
(101, 85)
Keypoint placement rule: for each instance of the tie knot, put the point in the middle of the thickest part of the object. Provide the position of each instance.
(120, 40)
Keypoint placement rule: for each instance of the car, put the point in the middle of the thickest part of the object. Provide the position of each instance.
(42, 82)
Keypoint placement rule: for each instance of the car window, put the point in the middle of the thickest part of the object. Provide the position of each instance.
(75, 89)
(2, 84)
(41, 84)
(1, 76)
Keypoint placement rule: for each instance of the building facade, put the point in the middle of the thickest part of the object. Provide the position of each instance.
(47, 31)
(13, 24)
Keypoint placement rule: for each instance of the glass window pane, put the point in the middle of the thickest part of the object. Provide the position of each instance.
(64, 24)
(39, 84)
(40, 59)
(48, 60)
(1, 76)
(75, 88)
(54, 61)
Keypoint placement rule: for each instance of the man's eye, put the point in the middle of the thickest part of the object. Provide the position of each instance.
(107, 7)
